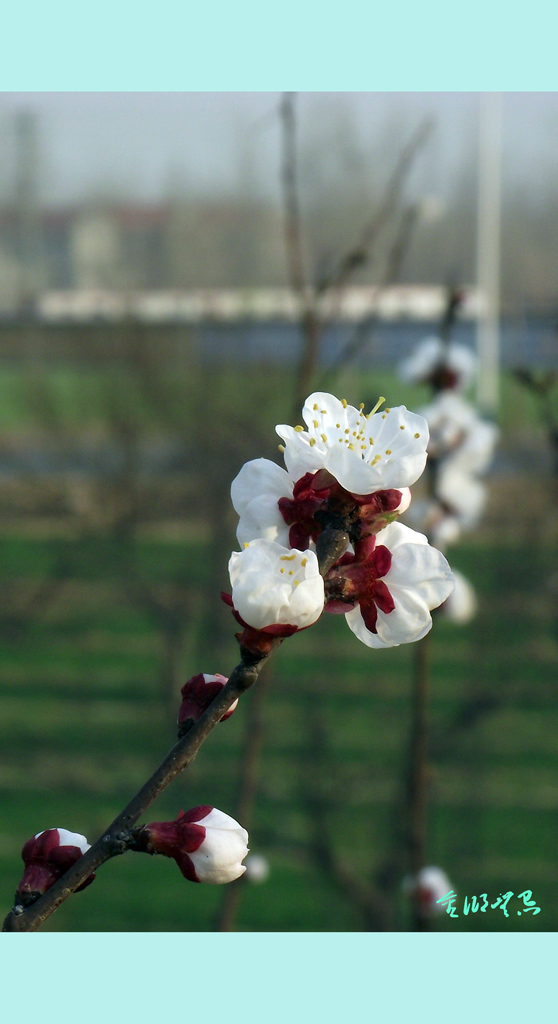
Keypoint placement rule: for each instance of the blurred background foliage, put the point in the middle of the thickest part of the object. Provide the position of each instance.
(111, 577)
(118, 444)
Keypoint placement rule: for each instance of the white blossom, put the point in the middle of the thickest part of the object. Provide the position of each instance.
(365, 453)
(394, 607)
(433, 353)
(429, 885)
(464, 445)
(257, 868)
(275, 586)
(255, 493)
(219, 857)
(457, 430)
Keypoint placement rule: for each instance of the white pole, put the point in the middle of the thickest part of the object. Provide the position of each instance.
(488, 250)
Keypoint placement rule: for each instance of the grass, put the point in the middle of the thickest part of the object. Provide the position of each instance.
(82, 724)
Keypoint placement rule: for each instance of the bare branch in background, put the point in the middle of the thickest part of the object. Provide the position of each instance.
(361, 252)
(418, 770)
(248, 785)
(312, 324)
(295, 252)
(541, 386)
(361, 335)
(365, 896)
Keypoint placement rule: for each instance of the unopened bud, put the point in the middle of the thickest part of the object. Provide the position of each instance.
(47, 856)
(207, 845)
(198, 693)
(425, 888)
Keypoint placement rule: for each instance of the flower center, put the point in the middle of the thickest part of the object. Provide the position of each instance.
(291, 566)
(357, 581)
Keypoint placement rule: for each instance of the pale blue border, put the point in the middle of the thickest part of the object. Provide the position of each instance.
(275, 978)
(128, 45)
(315, 46)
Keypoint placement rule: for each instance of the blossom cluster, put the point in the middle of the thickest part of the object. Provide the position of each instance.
(461, 445)
(461, 448)
(350, 471)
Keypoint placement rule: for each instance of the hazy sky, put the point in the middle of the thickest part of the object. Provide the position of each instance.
(140, 145)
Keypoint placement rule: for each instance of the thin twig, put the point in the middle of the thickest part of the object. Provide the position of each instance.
(362, 333)
(418, 772)
(311, 329)
(252, 748)
(360, 252)
(113, 841)
(365, 896)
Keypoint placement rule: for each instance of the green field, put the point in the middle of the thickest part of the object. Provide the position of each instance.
(84, 667)
(82, 725)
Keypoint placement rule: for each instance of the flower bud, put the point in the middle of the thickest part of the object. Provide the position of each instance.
(47, 856)
(257, 868)
(425, 888)
(198, 693)
(207, 845)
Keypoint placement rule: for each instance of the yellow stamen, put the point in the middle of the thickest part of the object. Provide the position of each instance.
(347, 431)
(287, 558)
(364, 446)
(352, 447)
(315, 406)
(416, 435)
(315, 423)
(291, 573)
(375, 460)
(380, 402)
(296, 582)
(281, 447)
(324, 411)
(388, 451)
(371, 439)
(361, 406)
(344, 403)
(299, 430)
(338, 425)
(387, 410)
(323, 437)
(304, 561)
(281, 570)
(402, 427)
(312, 442)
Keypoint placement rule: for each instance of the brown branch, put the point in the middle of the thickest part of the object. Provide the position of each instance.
(311, 323)
(311, 328)
(114, 840)
(418, 770)
(366, 897)
(361, 335)
(360, 253)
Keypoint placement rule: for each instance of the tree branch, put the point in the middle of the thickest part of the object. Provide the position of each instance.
(114, 840)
